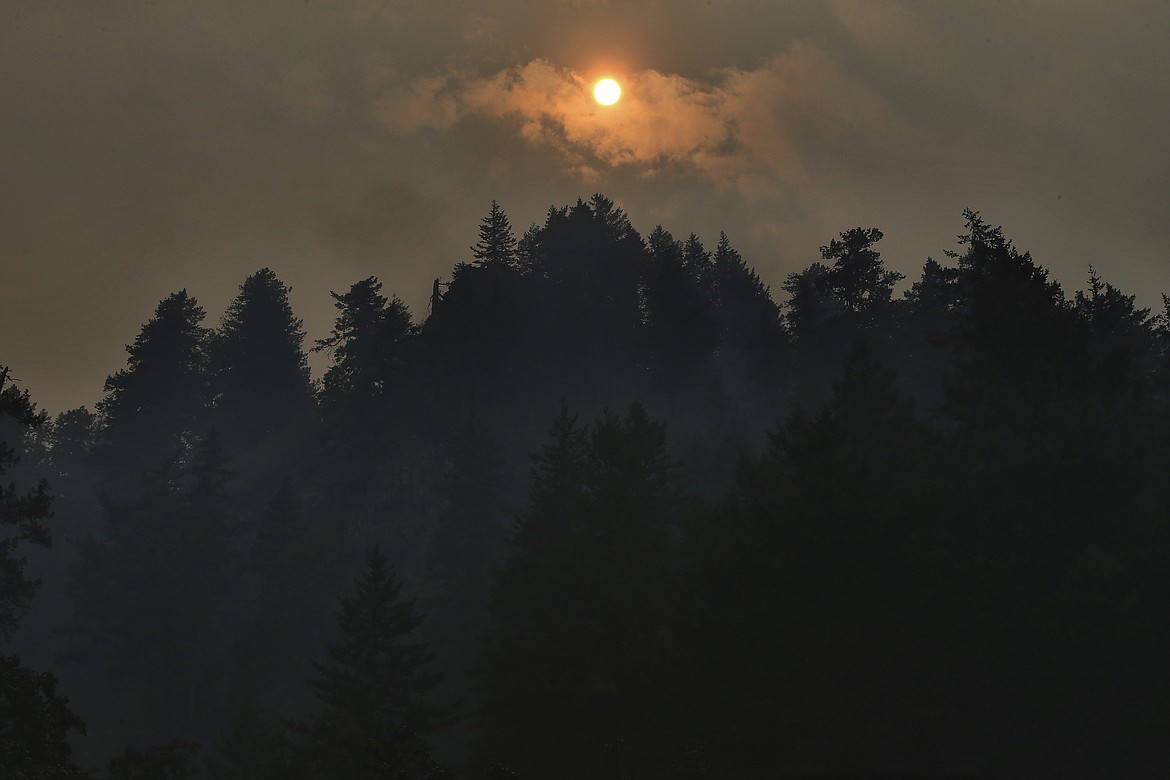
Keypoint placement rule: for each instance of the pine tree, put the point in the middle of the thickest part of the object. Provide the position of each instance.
(152, 595)
(153, 405)
(373, 686)
(368, 343)
(748, 319)
(807, 591)
(496, 247)
(580, 648)
(35, 723)
(858, 277)
(528, 252)
(22, 514)
(35, 720)
(260, 371)
(679, 317)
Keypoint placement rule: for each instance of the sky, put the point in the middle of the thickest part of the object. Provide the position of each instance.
(152, 145)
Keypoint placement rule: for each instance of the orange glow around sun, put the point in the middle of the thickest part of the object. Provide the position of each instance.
(607, 92)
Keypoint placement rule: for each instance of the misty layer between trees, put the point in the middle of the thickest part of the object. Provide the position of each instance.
(606, 510)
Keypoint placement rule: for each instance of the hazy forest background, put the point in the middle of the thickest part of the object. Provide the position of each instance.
(611, 508)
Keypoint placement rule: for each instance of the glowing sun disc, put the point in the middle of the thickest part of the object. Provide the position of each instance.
(607, 92)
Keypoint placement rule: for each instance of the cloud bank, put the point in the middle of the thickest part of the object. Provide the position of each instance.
(757, 132)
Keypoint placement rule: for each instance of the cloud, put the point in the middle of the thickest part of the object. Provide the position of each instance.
(754, 131)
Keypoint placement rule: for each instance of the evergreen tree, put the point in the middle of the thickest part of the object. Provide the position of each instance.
(468, 542)
(260, 372)
(153, 405)
(528, 251)
(373, 687)
(750, 327)
(807, 595)
(368, 343)
(580, 650)
(151, 598)
(858, 278)
(35, 721)
(22, 514)
(497, 245)
(679, 318)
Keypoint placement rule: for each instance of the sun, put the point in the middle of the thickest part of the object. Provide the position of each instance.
(607, 92)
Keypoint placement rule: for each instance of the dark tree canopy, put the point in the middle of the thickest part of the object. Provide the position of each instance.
(160, 398)
(863, 528)
(496, 246)
(35, 720)
(368, 343)
(373, 685)
(260, 374)
(22, 513)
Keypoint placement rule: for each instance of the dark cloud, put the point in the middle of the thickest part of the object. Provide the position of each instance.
(146, 147)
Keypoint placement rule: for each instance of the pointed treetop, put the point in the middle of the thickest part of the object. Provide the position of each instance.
(497, 245)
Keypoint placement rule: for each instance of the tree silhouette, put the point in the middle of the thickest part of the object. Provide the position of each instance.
(368, 343)
(373, 687)
(679, 317)
(948, 558)
(151, 595)
(154, 404)
(581, 624)
(35, 721)
(260, 372)
(497, 245)
(22, 514)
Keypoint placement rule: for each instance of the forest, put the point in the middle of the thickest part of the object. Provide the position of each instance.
(610, 508)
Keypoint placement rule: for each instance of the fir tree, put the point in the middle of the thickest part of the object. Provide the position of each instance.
(582, 617)
(260, 372)
(35, 720)
(368, 343)
(22, 514)
(160, 398)
(373, 686)
(151, 596)
(496, 247)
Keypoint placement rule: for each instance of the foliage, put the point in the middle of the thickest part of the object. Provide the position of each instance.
(373, 687)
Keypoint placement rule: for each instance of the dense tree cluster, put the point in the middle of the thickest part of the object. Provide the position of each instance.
(856, 532)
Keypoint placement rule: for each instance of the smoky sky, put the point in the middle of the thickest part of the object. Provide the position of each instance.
(147, 147)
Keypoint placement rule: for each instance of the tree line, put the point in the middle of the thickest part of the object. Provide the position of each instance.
(608, 510)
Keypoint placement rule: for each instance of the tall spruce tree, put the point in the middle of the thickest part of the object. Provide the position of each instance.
(159, 400)
(368, 344)
(580, 650)
(679, 317)
(809, 611)
(373, 687)
(260, 372)
(151, 597)
(496, 246)
(35, 720)
(22, 513)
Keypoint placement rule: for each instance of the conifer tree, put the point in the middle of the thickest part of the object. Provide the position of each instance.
(496, 247)
(368, 343)
(160, 398)
(528, 252)
(260, 372)
(151, 596)
(22, 513)
(679, 320)
(858, 277)
(580, 644)
(373, 687)
(748, 319)
(35, 720)
(806, 590)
